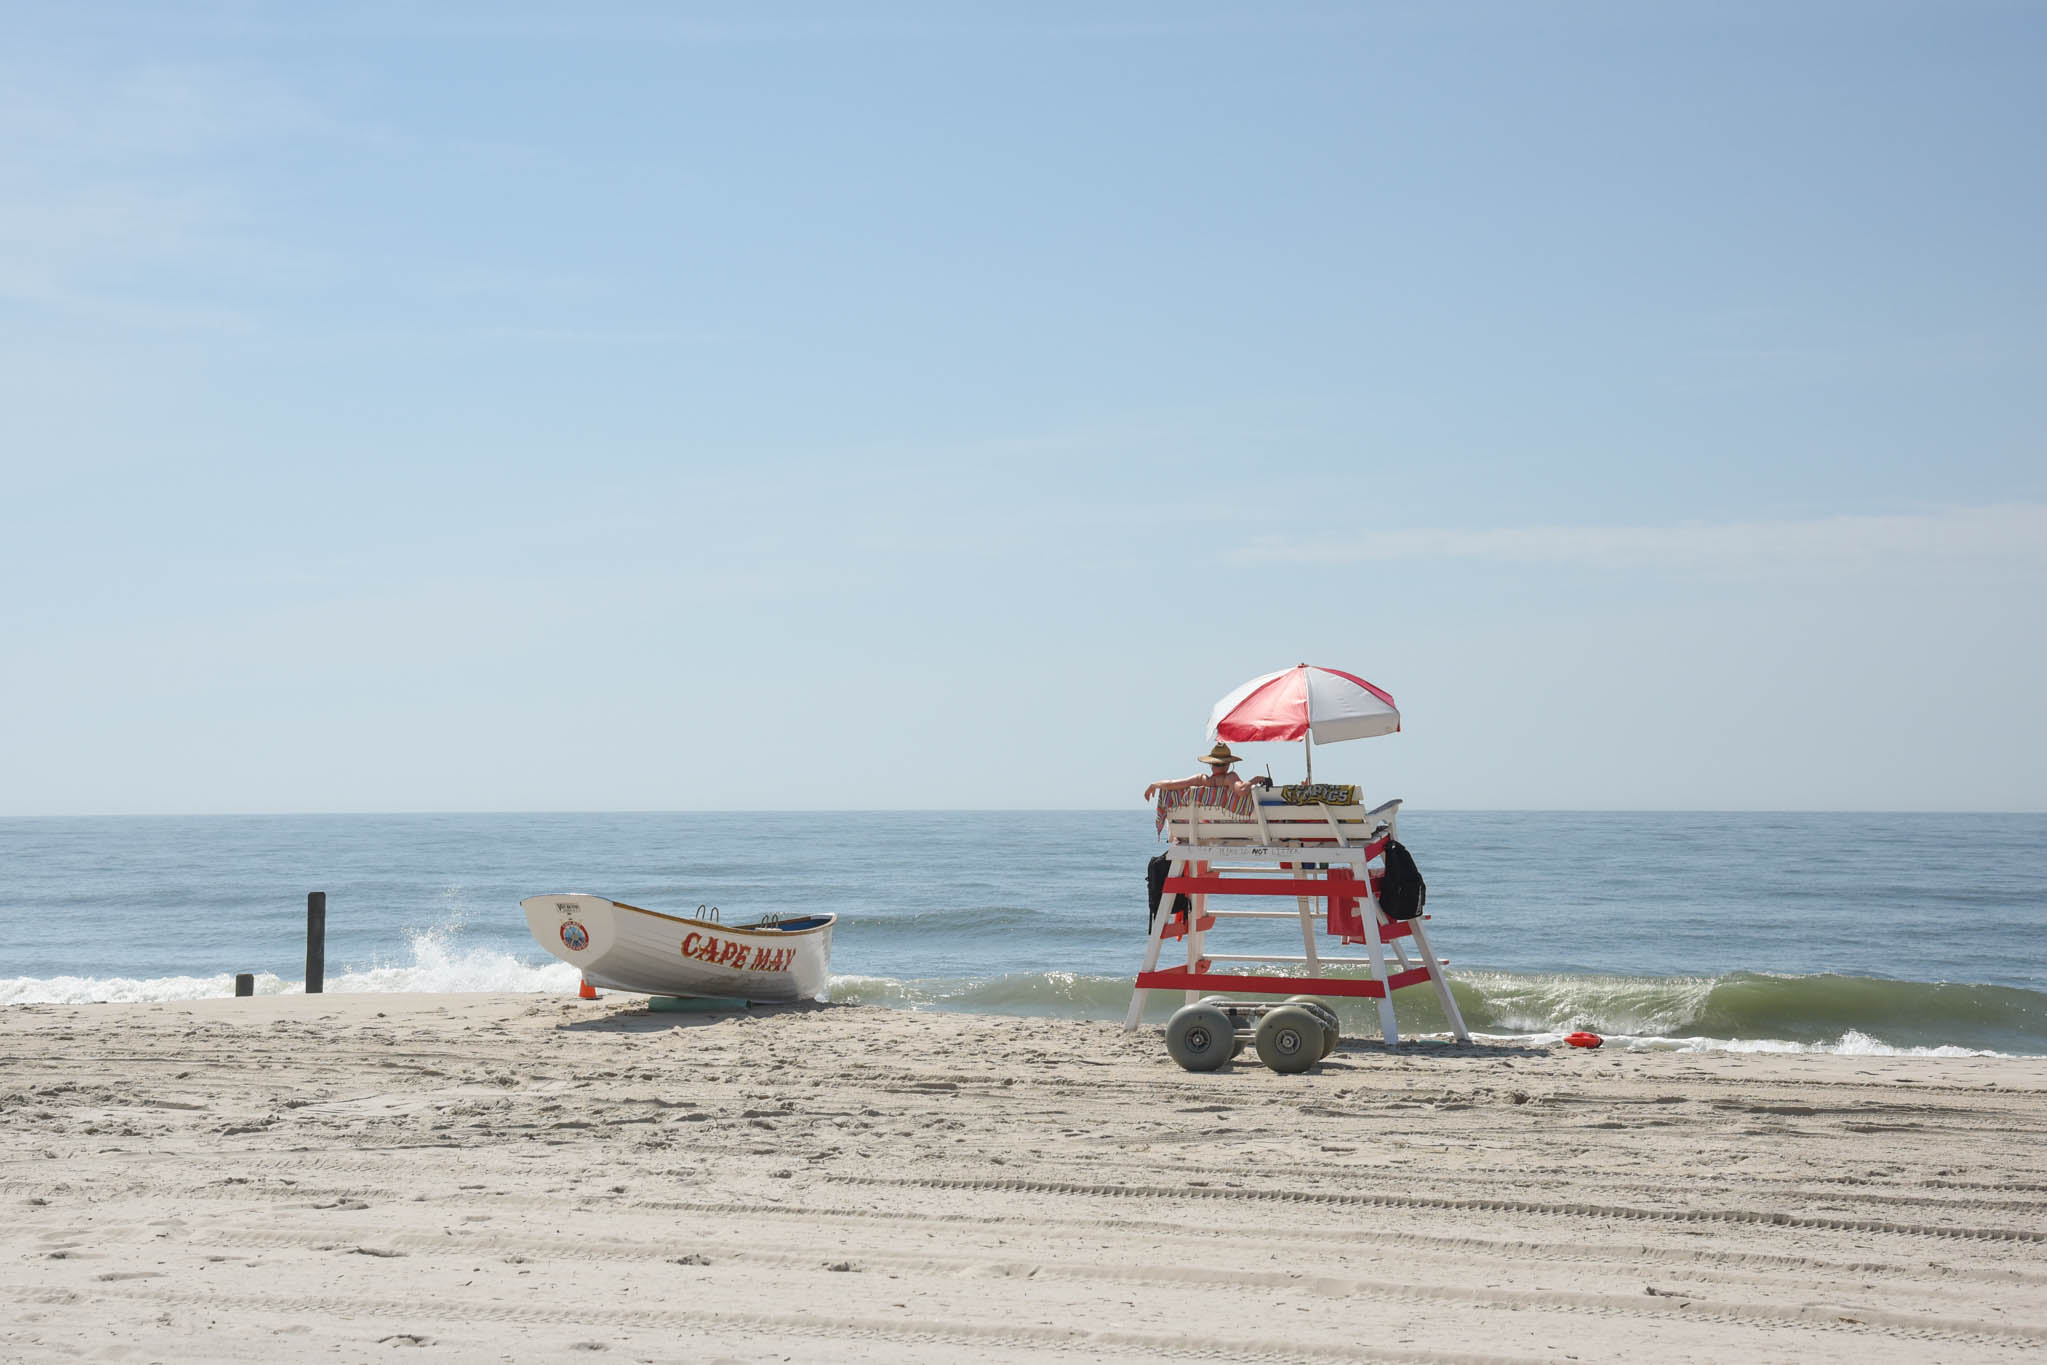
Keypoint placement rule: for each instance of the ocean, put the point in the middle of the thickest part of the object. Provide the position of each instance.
(1765, 932)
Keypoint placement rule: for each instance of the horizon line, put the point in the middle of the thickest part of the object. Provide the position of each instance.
(999, 810)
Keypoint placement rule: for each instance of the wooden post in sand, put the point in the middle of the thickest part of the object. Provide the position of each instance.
(316, 942)
(245, 983)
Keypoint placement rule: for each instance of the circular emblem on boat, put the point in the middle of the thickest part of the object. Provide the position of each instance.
(575, 936)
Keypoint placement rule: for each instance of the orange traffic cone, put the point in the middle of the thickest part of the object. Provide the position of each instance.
(588, 992)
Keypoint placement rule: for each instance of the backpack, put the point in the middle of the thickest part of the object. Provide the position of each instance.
(1155, 883)
(1403, 893)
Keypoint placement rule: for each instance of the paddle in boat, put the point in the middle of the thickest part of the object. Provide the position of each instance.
(774, 960)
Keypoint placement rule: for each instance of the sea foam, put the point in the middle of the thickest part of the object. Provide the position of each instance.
(433, 966)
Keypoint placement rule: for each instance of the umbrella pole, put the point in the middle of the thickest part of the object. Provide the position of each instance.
(1307, 741)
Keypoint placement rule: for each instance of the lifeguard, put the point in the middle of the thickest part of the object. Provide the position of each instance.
(1220, 760)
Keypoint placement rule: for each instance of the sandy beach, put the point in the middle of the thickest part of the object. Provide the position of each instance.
(492, 1178)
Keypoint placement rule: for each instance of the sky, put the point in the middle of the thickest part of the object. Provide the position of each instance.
(590, 407)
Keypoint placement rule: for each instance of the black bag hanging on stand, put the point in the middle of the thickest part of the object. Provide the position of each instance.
(1155, 884)
(1403, 893)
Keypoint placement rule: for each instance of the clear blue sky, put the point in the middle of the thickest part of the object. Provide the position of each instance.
(497, 407)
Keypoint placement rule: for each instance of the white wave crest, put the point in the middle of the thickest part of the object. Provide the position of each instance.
(876, 990)
(88, 990)
(1849, 1044)
(435, 967)
(1853, 1043)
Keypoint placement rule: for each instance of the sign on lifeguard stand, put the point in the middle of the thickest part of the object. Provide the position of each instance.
(1313, 844)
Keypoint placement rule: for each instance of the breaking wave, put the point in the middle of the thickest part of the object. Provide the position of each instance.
(1738, 1012)
(435, 965)
(1742, 1011)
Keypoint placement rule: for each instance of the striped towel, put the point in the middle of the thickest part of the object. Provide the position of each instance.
(1237, 803)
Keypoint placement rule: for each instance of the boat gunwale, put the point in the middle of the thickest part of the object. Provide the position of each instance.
(755, 930)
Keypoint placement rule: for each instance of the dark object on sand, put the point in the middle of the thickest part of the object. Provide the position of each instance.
(316, 942)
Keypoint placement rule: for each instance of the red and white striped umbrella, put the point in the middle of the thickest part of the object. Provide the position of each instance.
(1307, 703)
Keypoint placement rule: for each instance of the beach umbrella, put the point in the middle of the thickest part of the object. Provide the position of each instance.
(1313, 705)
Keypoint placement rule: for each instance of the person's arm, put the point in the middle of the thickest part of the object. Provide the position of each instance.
(1177, 785)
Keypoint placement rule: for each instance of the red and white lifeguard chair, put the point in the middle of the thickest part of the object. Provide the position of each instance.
(1311, 843)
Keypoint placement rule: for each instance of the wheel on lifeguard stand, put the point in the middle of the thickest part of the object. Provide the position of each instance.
(1200, 1037)
(1233, 1008)
(1290, 1039)
(1332, 1030)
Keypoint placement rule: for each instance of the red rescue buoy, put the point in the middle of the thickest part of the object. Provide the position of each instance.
(1583, 1039)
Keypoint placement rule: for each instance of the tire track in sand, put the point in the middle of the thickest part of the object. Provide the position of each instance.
(272, 1199)
(1566, 1210)
(965, 1335)
(1663, 1304)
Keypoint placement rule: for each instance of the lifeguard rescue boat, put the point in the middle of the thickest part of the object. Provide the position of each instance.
(773, 960)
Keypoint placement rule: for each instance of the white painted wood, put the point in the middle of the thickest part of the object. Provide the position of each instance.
(1231, 833)
(1448, 1001)
(1286, 957)
(1353, 856)
(627, 948)
(1277, 810)
(1304, 907)
(1277, 815)
(1151, 948)
(1388, 1028)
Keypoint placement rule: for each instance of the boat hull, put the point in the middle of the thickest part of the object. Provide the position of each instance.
(626, 948)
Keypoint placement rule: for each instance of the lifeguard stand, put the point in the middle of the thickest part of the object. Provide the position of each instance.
(1314, 844)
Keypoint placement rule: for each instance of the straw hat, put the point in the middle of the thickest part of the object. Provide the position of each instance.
(1220, 755)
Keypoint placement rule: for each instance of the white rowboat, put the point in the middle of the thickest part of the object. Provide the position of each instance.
(626, 948)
